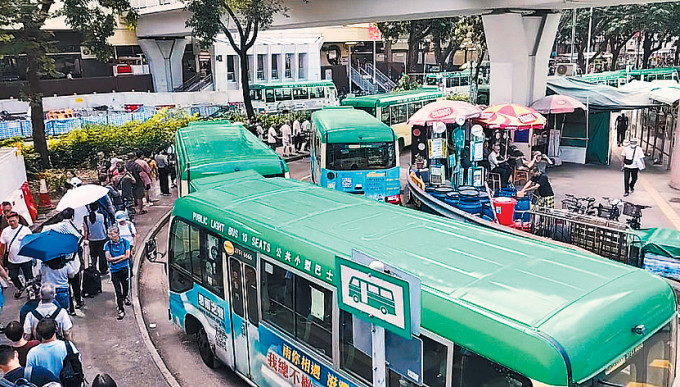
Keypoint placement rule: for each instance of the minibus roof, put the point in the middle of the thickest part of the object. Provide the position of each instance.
(523, 303)
(215, 149)
(346, 125)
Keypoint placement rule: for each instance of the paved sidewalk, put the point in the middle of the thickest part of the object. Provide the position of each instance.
(652, 188)
(108, 345)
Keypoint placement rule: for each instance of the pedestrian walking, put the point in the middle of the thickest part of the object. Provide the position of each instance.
(633, 163)
(94, 230)
(146, 174)
(118, 252)
(11, 242)
(271, 137)
(135, 170)
(51, 352)
(48, 308)
(297, 136)
(13, 370)
(74, 262)
(286, 139)
(306, 133)
(172, 163)
(540, 184)
(259, 131)
(126, 228)
(621, 128)
(163, 173)
(14, 332)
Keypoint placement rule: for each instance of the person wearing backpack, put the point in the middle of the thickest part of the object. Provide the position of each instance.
(47, 309)
(633, 163)
(59, 357)
(13, 371)
(94, 227)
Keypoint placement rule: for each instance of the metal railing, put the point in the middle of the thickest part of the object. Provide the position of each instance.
(380, 78)
(363, 83)
(198, 82)
(606, 238)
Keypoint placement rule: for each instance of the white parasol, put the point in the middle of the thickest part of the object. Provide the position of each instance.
(82, 196)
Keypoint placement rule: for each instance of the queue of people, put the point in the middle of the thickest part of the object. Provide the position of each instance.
(293, 136)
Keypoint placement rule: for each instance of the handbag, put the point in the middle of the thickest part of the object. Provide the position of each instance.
(628, 161)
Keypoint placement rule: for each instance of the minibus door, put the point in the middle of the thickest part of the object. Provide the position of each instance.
(243, 289)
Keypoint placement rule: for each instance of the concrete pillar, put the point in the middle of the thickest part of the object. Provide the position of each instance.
(519, 51)
(165, 61)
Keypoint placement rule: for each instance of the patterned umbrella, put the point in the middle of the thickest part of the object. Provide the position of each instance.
(557, 104)
(445, 111)
(511, 116)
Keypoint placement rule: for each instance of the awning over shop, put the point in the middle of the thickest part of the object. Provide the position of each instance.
(600, 97)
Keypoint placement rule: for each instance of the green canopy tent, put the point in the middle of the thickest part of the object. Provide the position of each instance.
(589, 142)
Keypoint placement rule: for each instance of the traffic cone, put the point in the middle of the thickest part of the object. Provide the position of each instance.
(45, 201)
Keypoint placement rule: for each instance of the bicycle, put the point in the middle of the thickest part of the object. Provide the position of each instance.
(611, 211)
(584, 206)
(634, 211)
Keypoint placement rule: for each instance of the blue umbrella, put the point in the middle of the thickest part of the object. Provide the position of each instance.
(48, 245)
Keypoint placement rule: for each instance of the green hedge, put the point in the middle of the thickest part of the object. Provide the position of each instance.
(79, 147)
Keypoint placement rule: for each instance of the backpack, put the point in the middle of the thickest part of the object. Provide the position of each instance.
(71, 374)
(53, 316)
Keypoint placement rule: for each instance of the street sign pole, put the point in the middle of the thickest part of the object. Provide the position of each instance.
(378, 351)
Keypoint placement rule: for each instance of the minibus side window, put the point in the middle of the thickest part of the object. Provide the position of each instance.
(212, 266)
(470, 370)
(313, 314)
(277, 297)
(351, 358)
(195, 252)
(299, 307)
(180, 261)
(435, 363)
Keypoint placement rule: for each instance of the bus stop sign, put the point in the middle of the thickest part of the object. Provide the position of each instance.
(375, 296)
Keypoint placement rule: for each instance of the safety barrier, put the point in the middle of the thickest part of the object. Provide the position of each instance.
(53, 127)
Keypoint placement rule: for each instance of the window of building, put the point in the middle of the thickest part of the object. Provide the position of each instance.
(231, 68)
(250, 66)
(276, 63)
(299, 307)
(289, 65)
(261, 66)
(302, 65)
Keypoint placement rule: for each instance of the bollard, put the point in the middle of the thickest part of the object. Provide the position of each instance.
(45, 201)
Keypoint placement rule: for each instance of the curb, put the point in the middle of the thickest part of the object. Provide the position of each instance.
(139, 318)
(296, 157)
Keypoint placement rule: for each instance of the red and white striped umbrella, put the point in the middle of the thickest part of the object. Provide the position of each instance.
(445, 111)
(511, 116)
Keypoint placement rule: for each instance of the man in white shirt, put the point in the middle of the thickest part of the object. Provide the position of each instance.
(633, 162)
(297, 135)
(11, 242)
(48, 308)
(496, 165)
(286, 133)
(271, 137)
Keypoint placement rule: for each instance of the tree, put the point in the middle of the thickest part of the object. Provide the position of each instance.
(208, 19)
(447, 36)
(477, 39)
(583, 20)
(622, 26)
(22, 22)
(414, 30)
(656, 28)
